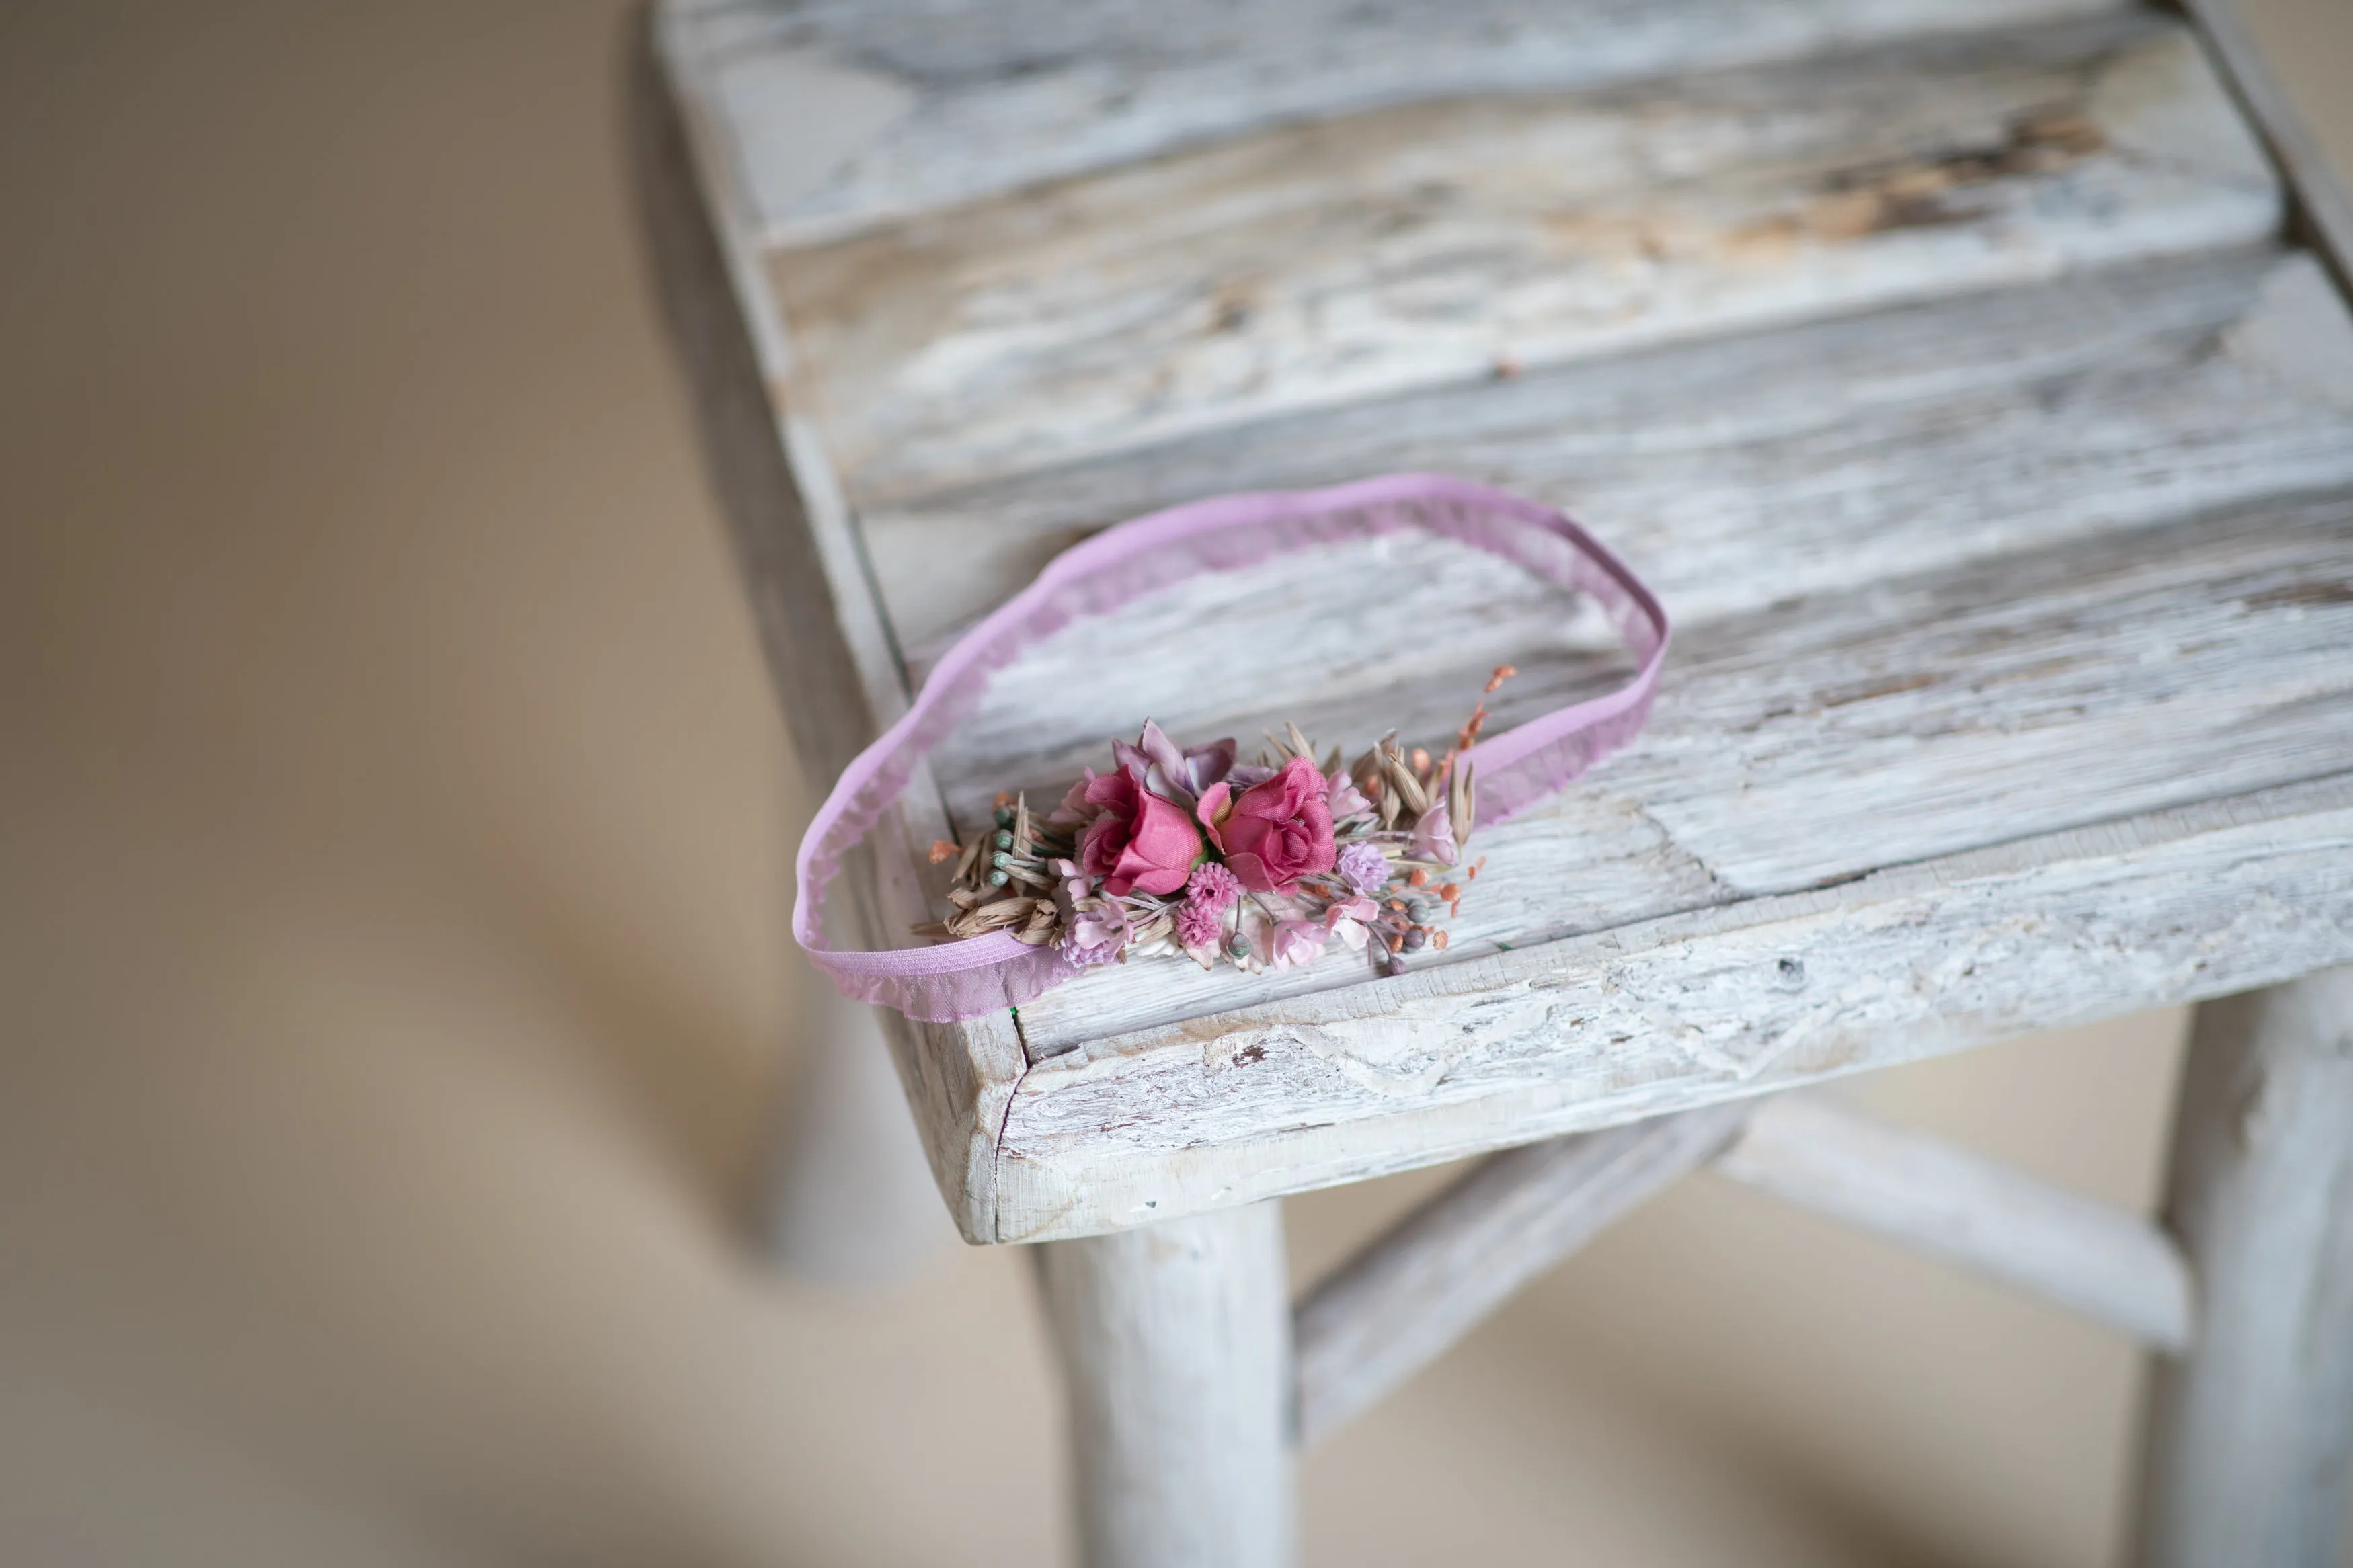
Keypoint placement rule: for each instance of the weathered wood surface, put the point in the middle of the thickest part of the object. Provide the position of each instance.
(1419, 1287)
(1319, 264)
(1924, 1193)
(1683, 1011)
(1745, 469)
(827, 646)
(1411, 1292)
(2251, 1433)
(1799, 744)
(2042, 530)
(977, 100)
(1175, 1341)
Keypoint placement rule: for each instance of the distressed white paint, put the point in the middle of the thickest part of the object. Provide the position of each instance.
(1681, 1012)
(1801, 744)
(1419, 1287)
(1945, 1201)
(827, 646)
(1742, 471)
(1638, 913)
(1012, 94)
(2249, 1435)
(1175, 1345)
(1320, 264)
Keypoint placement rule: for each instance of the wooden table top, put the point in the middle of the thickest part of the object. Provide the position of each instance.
(1954, 371)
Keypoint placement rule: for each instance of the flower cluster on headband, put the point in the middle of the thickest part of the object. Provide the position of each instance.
(1261, 865)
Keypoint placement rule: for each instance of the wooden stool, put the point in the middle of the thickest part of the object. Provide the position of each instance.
(1974, 381)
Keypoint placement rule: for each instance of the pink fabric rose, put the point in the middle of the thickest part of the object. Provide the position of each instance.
(1139, 840)
(1275, 833)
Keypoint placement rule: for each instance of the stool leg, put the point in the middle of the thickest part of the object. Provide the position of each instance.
(2245, 1455)
(1175, 1348)
(849, 1199)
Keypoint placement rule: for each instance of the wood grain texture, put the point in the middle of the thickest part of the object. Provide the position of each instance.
(1939, 1198)
(1412, 1291)
(1175, 1341)
(994, 98)
(1408, 247)
(1813, 741)
(1745, 469)
(2249, 1435)
(1683, 1011)
(2044, 531)
(828, 647)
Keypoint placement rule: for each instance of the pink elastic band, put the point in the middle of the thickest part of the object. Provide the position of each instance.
(978, 975)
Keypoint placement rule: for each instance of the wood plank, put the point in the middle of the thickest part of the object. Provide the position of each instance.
(1406, 1297)
(978, 101)
(1946, 1201)
(1815, 740)
(1746, 469)
(1684, 1011)
(821, 625)
(1320, 264)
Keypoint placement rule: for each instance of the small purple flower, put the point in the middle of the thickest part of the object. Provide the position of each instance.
(1213, 887)
(1197, 925)
(1099, 931)
(1087, 956)
(1365, 866)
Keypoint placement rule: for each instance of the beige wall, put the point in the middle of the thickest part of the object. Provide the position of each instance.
(393, 830)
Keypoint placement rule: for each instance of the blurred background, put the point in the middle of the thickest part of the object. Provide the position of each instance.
(395, 840)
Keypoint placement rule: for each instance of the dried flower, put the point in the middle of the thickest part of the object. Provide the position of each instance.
(1276, 832)
(1141, 841)
(1343, 799)
(1351, 920)
(1213, 887)
(1364, 867)
(1297, 944)
(1197, 925)
(1433, 836)
(1099, 929)
(1180, 776)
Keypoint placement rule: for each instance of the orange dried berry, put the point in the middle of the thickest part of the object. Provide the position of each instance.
(941, 850)
(1503, 672)
(1397, 903)
(1437, 939)
(1003, 797)
(1417, 877)
(1449, 892)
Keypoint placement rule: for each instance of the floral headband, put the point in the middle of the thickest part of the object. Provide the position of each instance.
(1263, 865)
